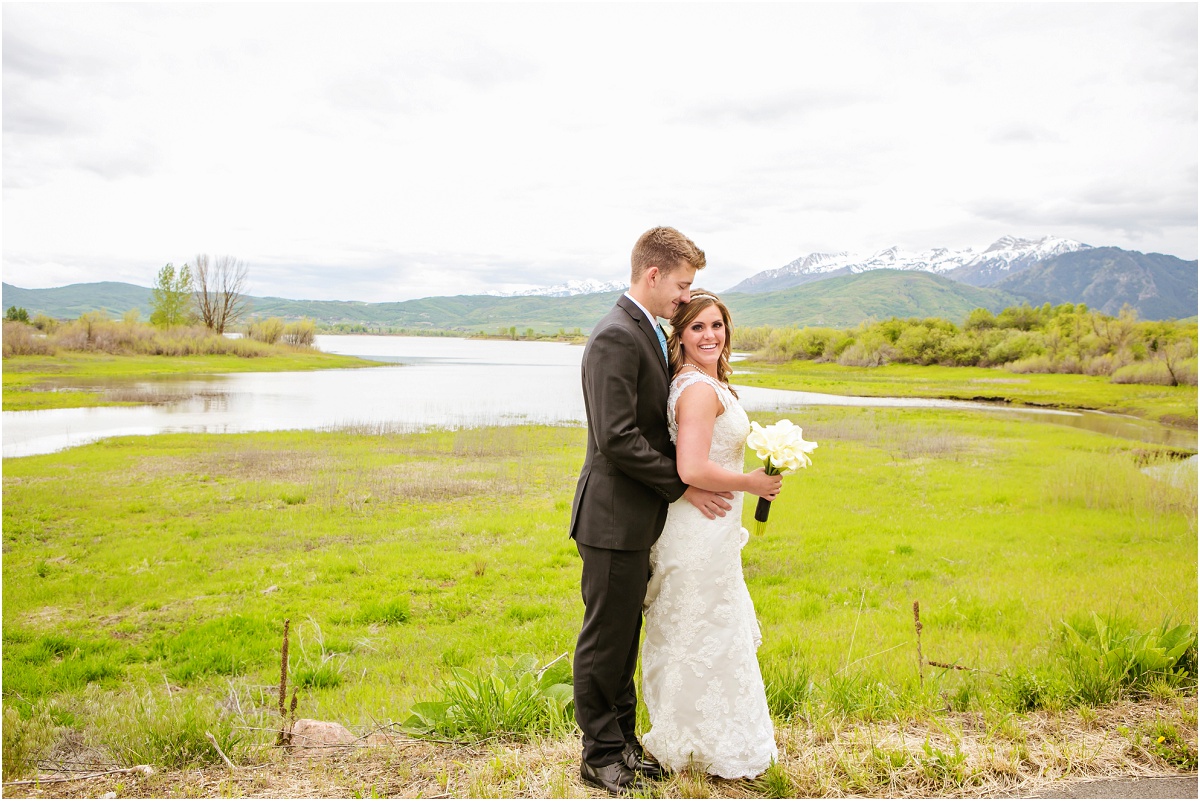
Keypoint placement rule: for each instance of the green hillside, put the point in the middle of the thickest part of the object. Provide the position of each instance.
(879, 294)
(841, 301)
(68, 302)
(468, 313)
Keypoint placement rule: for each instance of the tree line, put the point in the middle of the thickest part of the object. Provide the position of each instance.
(1069, 338)
(191, 310)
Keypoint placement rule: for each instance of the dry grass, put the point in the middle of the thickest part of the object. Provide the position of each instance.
(240, 463)
(960, 755)
(155, 396)
(902, 440)
(424, 476)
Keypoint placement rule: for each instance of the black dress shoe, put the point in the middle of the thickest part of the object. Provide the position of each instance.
(635, 759)
(616, 778)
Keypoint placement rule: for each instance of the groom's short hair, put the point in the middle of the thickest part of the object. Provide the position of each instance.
(664, 247)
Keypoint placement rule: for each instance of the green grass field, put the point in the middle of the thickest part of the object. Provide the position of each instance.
(150, 577)
(31, 382)
(1169, 405)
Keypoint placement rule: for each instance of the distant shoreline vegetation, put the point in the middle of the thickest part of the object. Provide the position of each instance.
(95, 332)
(525, 334)
(1069, 338)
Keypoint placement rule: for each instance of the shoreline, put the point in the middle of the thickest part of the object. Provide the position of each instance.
(1172, 407)
(29, 380)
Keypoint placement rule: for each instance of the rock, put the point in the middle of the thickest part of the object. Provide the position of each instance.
(314, 737)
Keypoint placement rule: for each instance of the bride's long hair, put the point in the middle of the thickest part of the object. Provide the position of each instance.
(684, 314)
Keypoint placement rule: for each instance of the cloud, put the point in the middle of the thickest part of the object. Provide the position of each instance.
(404, 275)
(380, 151)
(425, 78)
(137, 159)
(22, 116)
(769, 109)
(1025, 135)
(28, 59)
(1126, 209)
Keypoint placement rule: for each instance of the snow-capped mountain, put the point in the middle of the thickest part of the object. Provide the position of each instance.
(1009, 255)
(585, 287)
(1003, 257)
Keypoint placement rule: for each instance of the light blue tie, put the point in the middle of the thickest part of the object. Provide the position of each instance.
(662, 339)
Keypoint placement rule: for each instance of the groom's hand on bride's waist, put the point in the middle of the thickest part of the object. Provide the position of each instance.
(712, 504)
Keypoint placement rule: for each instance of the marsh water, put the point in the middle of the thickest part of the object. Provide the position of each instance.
(427, 382)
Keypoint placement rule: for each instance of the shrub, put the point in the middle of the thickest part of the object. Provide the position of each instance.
(24, 340)
(798, 343)
(1034, 364)
(962, 350)
(44, 324)
(301, 333)
(1014, 346)
(752, 339)
(1105, 364)
(1023, 318)
(268, 331)
(920, 344)
(980, 319)
(1152, 371)
(870, 350)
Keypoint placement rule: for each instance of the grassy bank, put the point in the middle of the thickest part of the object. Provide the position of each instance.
(954, 755)
(1174, 406)
(144, 606)
(54, 382)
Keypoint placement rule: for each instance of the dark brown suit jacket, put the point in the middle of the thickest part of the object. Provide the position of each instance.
(629, 475)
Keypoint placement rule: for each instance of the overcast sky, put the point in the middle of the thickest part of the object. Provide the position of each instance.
(391, 151)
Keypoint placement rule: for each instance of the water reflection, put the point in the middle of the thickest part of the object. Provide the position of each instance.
(435, 382)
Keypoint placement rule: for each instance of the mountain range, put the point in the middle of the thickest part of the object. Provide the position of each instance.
(820, 289)
(840, 301)
(1002, 258)
(1159, 287)
(588, 286)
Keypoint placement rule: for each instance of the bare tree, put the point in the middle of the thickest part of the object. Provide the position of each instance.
(220, 286)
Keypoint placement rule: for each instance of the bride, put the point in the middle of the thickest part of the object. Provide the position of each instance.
(700, 676)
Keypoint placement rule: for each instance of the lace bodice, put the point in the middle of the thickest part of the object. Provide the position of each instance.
(731, 427)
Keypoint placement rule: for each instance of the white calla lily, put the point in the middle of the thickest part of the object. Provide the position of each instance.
(781, 445)
(784, 450)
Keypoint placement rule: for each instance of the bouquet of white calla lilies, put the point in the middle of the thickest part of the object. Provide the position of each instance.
(784, 450)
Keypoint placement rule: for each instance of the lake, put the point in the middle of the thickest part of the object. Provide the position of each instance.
(430, 382)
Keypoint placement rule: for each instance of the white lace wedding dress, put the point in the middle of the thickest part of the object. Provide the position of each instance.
(700, 675)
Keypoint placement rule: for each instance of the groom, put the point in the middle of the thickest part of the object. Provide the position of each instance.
(627, 481)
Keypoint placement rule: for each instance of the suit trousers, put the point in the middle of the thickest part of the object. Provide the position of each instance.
(613, 586)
